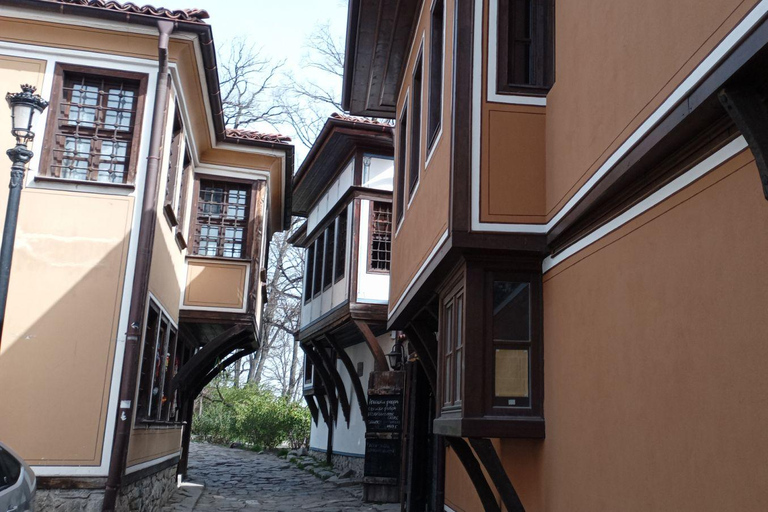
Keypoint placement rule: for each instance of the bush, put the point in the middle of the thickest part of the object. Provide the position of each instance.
(253, 416)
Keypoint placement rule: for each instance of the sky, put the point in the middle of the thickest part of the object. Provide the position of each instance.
(279, 27)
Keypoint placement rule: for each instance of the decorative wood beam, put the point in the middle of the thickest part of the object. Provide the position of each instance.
(322, 404)
(325, 378)
(356, 384)
(490, 459)
(330, 366)
(749, 112)
(475, 472)
(312, 407)
(204, 359)
(379, 359)
(425, 358)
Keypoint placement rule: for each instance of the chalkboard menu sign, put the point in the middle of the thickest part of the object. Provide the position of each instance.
(385, 413)
(382, 458)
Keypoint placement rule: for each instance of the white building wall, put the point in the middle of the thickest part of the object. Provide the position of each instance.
(350, 440)
(331, 196)
(372, 287)
(378, 172)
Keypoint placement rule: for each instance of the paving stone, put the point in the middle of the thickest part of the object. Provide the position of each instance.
(245, 481)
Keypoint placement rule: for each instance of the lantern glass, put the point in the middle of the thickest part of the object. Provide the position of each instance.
(396, 356)
(25, 109)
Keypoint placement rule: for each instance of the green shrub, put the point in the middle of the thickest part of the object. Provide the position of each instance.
(253, 416)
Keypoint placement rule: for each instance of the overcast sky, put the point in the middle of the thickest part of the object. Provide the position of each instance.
(279, 27)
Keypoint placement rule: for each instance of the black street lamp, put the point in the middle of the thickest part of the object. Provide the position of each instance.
(397, 355)
(25, 107)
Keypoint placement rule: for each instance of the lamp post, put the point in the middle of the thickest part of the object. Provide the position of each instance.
(25, 107)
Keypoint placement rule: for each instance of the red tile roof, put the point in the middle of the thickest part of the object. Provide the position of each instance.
(188, 15)
(355, 119)
(254, 135)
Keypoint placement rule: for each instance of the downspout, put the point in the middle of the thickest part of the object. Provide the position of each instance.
(140, 277)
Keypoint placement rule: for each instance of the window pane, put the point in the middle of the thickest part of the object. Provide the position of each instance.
(448, 351)
(341, 246)
(459, 341)
(222, 219)
(511, 311)
(381, 236)
(511, 374)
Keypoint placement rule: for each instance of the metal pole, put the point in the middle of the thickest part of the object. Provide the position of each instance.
(19, 155)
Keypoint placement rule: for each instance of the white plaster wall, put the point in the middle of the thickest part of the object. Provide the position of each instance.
(372, 288)
(331, 196)
(350, 439)
(380, 174)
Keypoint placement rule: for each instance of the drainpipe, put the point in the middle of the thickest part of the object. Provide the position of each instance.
(140, 277)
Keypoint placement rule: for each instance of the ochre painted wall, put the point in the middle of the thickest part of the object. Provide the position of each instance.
(215, 284)
(655, 378)
(426, 219)
(152, 443)
(61, 324)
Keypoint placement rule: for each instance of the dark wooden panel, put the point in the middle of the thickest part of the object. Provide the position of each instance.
(490, 459)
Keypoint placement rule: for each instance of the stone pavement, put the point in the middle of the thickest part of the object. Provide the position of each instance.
(247, 481)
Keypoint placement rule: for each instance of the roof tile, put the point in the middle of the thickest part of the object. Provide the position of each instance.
(188, 15)
(254, 135)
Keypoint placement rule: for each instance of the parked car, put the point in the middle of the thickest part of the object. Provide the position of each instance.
(17, 482)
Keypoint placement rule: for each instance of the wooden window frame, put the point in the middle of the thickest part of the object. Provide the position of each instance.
(451, 350)
(371, 221)
(175, 163)
(252, 226)
(436, 72)
(317, 285)
(541, 67)
(309, 273)
(329, 257)
(402, 159)
(417, 93)
(52, 124)
(340, 264)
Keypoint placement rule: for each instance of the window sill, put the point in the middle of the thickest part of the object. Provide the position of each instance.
(218, 258)
(46, 180)
(170, 216)
(158, 424)
(500, 426)
(182, 243)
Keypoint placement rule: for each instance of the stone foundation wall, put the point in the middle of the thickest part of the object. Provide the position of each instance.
(341, 463)
(145, 495)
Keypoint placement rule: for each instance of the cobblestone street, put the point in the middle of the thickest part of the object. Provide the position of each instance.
(246, 481)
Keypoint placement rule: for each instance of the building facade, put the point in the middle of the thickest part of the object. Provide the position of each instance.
(579, 212)
(139, 266)
(344, 189)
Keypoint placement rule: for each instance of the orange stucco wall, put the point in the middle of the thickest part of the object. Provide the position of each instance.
(654, 362)
(426, 219)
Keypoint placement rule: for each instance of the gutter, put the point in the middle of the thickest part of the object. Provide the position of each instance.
(129, 375)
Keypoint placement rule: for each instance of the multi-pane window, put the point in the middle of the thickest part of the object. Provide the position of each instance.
(435, 72)
(179, 161)
(525, 46)
(162, 357)
(330, 233)
(341, 246)
(222, 219)
(317, 284)
(452, 338)
(94, 127)
(511, 331)
(415, 164)
(402, 140)
(380, 237)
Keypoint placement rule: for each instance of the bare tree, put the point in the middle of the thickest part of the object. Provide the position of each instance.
(249, 86)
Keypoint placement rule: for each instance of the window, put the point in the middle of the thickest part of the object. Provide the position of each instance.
(341, 246)
(310, 266)
(511, 332)
(309, 370)
(92, 135)
(415, 163)
(317, 285)
(435, 72)
(525, 57)
(330, 244)
(162, 357)
(380, 237)
(452, 337)
(175, 162)
(222, 219)
(401, 155)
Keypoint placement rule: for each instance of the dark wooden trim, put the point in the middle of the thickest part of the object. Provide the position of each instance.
(379, 359)
(436, 78)
(352, 372)
(746, 107)
(461, 109)
(415, 157)
(475, 473)
(312, 406)
(323, 405)
(330, 366)
(325, 377)
(425, 357)
(101, 184)
(151, 470)
(490, 459)
(507, 427)
(354, 264)
(326, 322)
